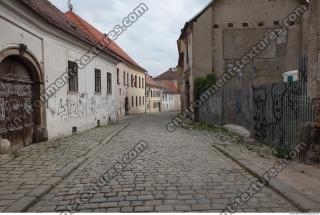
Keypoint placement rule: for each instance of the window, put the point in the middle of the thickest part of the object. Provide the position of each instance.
(260, 24)
(118, 81)
(230, 25)
(139, 82)
(142, 100)
(109, 83)
(131, 80)
(139, 100)
(143, 83)
(215, 26)
(124, 78)
(97, 80)
(245, 24)
(135, 81)
(132, 101)
(136, 100)
(73, 76)
(128, 79)
(155, 105)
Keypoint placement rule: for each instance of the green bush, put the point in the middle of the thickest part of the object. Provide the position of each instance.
(202, 84)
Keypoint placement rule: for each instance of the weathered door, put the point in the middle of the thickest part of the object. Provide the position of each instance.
(16, 99)
(127, 105)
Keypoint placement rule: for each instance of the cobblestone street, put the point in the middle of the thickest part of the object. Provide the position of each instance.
(179, 171)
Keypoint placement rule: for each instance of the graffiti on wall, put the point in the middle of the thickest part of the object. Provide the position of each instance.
(278, 111)
(80, 106)
(16, 108)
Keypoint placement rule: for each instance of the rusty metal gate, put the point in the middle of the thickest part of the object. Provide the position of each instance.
(16, 99)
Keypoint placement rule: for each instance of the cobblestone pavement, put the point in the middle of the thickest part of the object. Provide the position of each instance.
(179, 171)
(32, 166)
(301, 178)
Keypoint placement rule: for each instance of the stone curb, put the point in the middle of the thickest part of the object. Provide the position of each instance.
(283, 189)
(31, 198)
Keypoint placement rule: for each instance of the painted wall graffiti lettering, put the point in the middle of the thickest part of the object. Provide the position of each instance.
(16, 109)
(259, 118)
(76, 107)
(279, 109)
(273, 113)
(2, 113)
(22, 90)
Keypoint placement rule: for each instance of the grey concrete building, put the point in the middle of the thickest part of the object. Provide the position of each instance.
(225, 30)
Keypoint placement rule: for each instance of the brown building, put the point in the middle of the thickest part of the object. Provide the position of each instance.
(224, 31)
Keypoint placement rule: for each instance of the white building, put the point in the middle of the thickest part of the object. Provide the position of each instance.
(38, 46)
(130, 77)
(171, 98)
(153, 96)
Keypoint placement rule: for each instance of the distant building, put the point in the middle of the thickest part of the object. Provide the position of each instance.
(153, 95)
(47, 88)
(224, 31)
(130, 76)
(171, 98)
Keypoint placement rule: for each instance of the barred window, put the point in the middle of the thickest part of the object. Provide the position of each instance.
(97, 80)
(135, 81)
(73, 76)
(124, 78)
(128, 79)
(109, 83)
(132, 80)
(118, 80)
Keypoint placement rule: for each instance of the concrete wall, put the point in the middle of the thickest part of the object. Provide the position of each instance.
(213, 46)
(202, 43)
(125, 90)
(313, 44)
(53, 48)
(230, 43)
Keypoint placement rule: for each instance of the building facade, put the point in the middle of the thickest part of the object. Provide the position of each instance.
(46, 89)
(130, 92)
(171, 98)
(219, 36)
(153, 96)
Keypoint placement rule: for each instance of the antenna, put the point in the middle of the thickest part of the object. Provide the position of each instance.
(70, 6)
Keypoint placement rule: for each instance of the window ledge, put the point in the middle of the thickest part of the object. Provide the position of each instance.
(73, 93)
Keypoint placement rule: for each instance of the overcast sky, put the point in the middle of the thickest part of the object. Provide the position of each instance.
(152, 41)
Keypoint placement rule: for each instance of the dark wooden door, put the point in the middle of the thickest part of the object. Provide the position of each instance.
(16, 99)
(126, 105)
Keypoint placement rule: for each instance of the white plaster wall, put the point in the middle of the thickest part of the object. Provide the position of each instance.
(172, 103)
(151, 100)
(53, 48)
(167, 102)
(128, 91)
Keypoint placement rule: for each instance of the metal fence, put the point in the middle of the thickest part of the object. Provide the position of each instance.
(273, 113)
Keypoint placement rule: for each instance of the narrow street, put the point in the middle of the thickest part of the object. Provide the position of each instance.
(178, 171)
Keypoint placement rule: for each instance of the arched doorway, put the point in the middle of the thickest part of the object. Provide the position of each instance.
(20, 114)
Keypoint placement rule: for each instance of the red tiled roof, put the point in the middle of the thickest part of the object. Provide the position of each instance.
(169, 75)
(96, 35)
(169, 86)
(58, 19)
(151, 82)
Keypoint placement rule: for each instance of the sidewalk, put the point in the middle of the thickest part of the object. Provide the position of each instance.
(298, 183)
(31, 172)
